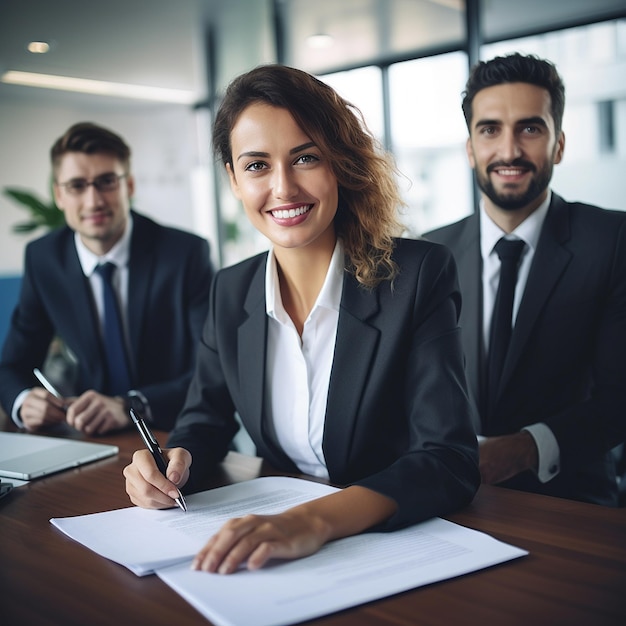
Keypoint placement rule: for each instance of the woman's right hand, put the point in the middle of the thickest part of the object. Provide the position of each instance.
(147, 487)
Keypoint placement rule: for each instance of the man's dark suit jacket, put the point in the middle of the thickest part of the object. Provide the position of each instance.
(566, 364)
(168, 292)
(398, 418)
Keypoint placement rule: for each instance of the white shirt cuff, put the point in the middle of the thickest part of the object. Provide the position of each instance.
(17, 405)
(549, 454)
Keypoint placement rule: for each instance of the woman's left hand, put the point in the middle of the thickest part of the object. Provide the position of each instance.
(258, 538)
(299, 531)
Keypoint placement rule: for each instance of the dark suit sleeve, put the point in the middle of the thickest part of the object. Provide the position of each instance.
(28, 339)
(437, 472)
(591, 427)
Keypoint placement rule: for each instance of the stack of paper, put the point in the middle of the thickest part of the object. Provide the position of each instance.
(342, 574)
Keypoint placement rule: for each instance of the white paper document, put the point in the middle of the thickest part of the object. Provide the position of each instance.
(342, 574)
(144, 539)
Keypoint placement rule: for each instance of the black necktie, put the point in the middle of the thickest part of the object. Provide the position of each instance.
(117, 364)
(509, 252)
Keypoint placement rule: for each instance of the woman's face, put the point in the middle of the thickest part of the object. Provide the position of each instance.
(287, 188)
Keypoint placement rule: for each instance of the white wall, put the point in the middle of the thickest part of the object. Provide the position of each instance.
(169, 161)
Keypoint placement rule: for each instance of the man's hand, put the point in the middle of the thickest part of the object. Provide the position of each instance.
(40, 409)
(96, 414)
(503, 457)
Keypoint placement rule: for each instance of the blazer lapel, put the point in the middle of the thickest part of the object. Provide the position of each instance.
(251, 341)
(551, 260)
(251, 353)
(355, 349)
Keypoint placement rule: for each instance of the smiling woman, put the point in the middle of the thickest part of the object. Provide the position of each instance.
(339, 349)
(368, 197)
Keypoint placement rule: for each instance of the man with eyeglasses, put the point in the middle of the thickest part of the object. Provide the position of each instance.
(126, 296)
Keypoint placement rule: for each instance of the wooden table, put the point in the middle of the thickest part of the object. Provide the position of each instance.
(574, 575)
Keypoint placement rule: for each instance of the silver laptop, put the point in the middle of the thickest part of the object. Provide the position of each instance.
(25, 456)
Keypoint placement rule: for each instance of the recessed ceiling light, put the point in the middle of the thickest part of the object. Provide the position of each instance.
(320, 41)
(38, 47)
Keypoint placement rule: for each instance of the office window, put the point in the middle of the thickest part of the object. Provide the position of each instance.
(363, 88)
(428, 136)
(592, 62)
(606, 126)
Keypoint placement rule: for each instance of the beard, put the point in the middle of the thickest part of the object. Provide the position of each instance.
(515, 200)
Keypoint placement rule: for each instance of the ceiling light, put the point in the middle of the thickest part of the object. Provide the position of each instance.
(38, 47)
(99, 87)
(320, 41)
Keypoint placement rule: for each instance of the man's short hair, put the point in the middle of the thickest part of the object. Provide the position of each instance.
(91, 139)
(516, 68)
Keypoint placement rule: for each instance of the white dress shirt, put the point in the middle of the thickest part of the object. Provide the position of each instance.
(298, 368)
(528, 231)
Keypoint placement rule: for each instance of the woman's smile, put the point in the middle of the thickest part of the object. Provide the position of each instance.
(291, 216)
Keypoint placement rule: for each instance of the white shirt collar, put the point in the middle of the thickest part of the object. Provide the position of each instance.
(118, 254)
(329, 296)
(528, 231)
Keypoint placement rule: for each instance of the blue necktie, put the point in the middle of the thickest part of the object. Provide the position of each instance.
(118, 378)
(509, 252)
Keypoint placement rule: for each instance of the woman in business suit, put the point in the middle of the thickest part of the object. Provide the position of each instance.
(339, 349)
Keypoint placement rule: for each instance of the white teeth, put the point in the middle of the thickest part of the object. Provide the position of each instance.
(510, 172)
(283, 214)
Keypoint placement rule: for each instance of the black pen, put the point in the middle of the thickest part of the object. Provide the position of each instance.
(152, 445)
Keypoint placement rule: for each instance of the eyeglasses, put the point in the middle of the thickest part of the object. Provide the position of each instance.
(103, 183)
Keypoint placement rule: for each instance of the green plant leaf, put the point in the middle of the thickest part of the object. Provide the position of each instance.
(42, 214)
(25, 227)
